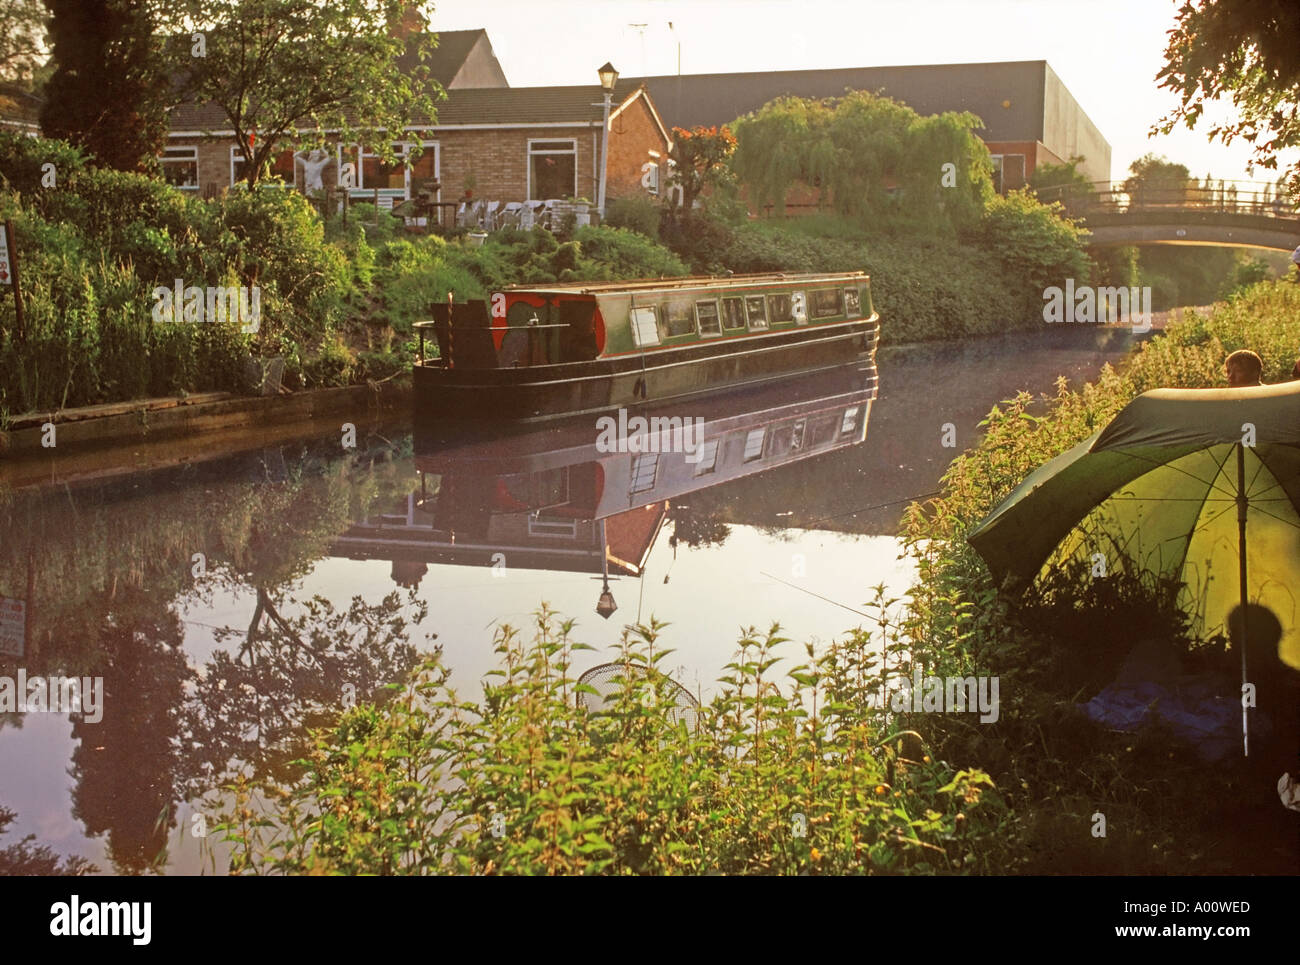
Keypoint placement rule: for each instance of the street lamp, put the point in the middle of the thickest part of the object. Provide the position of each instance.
(606, 606)
(608, 78)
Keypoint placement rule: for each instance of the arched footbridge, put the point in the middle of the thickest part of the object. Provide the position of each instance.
(1249, 214)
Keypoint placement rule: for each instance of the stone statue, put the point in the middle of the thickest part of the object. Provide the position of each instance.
(313, 163)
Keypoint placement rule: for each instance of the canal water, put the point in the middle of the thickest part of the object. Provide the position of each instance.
(227, 601)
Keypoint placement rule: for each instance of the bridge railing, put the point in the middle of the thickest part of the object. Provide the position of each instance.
(1123, 197)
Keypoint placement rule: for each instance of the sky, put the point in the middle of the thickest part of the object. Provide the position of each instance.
(1106, 52)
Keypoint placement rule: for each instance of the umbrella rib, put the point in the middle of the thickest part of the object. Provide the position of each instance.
(1187, 546)
(1210, 483)
(1280, 519)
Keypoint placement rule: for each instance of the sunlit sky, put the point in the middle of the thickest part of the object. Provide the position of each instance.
(1106, 52)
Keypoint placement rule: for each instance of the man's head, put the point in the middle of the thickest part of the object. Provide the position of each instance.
(1243, 367)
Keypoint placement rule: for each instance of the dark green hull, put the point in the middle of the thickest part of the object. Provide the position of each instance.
(556, 391)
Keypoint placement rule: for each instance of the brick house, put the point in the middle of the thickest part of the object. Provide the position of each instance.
(501, 143)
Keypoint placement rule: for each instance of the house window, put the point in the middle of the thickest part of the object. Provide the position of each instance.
(754, 444)
(552, 170)
(376, 174)
(756, 309)
(708, 452)
(706, 313)
(645, 327)
(733, 313)
(1008, 172)
(180, 167)
(282, 167)
(404, 174)
(644, 468)
(827, 303)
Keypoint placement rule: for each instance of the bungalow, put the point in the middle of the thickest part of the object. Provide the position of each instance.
(487, 141)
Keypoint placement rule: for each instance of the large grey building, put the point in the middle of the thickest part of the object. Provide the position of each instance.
(1029, 116)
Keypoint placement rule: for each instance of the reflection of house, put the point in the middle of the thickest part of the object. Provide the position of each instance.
(1029, 117)
(20, 110)
(503, 143)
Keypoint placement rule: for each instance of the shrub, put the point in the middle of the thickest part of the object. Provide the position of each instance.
(793, 776)
(607, 252)
(636, 214)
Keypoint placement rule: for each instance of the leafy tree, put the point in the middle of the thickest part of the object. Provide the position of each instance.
(1247, 51)
(1157, 180)
(873, 159)
(22, 38)
(292, 70)
(699, 155)
(1061, 182)
(108, 92)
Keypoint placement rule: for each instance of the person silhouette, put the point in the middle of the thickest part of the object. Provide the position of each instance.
(1275, 741)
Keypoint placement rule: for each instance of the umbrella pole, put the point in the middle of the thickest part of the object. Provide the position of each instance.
(1241, 574)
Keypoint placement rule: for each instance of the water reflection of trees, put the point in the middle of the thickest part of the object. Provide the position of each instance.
(252, 701)
(124, 765)
(26, 857)
(112, 564)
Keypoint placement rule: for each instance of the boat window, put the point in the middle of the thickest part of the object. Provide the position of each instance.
(827, 302)
(756, 309)
(645, 327)
(707, 314)
(733, 313)
(708, 457)
(799, 307)
(644, 468)
(679, 319)
(754, 444)
(850, 420)
(852, 303)
(779, 308)
(796, 436)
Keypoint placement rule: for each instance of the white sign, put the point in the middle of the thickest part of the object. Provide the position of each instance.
(13, 623)
(6, 273)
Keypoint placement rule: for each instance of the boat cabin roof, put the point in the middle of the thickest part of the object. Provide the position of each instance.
(692, 281)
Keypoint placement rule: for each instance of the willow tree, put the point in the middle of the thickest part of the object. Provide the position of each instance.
(870, 158)
(774, 147)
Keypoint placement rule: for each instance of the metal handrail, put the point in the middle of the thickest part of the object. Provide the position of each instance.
(1227, 197)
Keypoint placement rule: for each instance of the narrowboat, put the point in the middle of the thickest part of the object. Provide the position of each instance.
(552, 351)
(550, 497)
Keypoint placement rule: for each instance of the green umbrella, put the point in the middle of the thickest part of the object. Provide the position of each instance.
(1202, 485)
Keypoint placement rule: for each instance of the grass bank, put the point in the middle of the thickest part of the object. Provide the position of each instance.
(1166, 811)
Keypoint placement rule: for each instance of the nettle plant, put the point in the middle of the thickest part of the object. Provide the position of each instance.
(790, 774)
